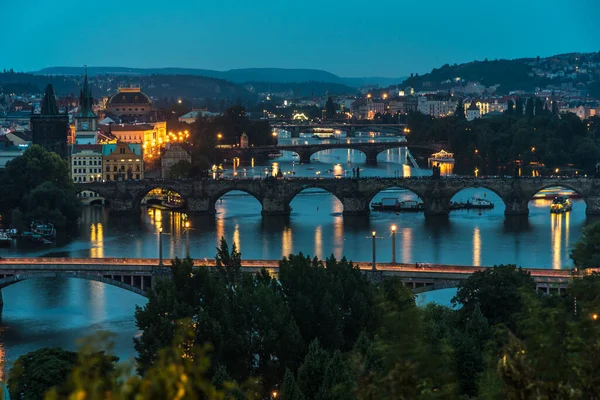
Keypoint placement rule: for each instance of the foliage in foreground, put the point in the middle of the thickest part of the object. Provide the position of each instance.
(322, 331)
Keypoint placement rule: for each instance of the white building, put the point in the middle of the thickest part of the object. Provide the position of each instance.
(436, 107)
(473, 111)
(86, 162)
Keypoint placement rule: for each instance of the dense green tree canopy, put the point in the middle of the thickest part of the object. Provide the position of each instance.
(502, 141)
(38, 185)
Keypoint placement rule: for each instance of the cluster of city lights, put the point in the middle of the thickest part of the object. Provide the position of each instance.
(153, 148)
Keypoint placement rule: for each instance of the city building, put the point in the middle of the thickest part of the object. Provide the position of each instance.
(9, 151)
(367, 109)
(122, 161)
(436, 106)
(86, 121)
(244, 143)
(403, 105)
(129, 103)
(173, 154)
(191, 117)
(86, 163)
(50, 128)
(137, 133)
(473, 111)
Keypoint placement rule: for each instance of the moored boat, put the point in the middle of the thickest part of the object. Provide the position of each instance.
(561, 204)
(410, 205)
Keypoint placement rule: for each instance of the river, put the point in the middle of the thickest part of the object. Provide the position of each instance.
(55, 312)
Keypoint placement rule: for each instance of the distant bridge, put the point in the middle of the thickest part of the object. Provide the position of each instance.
(275, 195)
(294, 127)
(306, 151)
(139, 274)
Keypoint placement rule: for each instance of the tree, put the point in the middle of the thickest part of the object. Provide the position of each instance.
(35, 373)
(38, 184)
(180, 371)
(330, 108)
(497, 293)
(181, 170)
(519, 107)
(460, 110)
(585, 254)
(529, 108)
(510, 107)
(539, 106)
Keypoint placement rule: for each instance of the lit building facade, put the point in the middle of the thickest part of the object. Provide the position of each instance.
(473, 111)
(122, 161)
(436, 107)
(86, 163)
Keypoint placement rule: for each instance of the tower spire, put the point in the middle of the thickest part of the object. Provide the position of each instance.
(49, 106)
(86, 101)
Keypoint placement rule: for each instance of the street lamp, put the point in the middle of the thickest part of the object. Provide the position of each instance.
(160, 254)
(595, 317)
(187, 239)
(476, 172)
(393, 244)
(374, 266)
(219, 136)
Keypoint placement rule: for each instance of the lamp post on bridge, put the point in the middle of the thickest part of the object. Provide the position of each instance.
(187, 238)
(374, 267)
(393, 244)
(160, 253)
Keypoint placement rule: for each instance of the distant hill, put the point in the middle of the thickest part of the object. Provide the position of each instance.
(243, 75)
(518, 74)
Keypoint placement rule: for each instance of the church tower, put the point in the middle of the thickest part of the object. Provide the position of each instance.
(86, 121)
(50, 129)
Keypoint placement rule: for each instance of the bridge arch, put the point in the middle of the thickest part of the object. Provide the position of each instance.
(218, 196)
(459, 199)
(386, 190)
(337, 206)
(139, 195)
(561, 188)
(90, 196)
(139, 284)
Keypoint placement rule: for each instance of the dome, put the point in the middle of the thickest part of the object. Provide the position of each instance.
(128, 96)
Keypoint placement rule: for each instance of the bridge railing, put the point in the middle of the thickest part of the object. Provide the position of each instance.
(208, 262)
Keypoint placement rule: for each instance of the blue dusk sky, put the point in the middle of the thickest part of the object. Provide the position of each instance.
(352, 38)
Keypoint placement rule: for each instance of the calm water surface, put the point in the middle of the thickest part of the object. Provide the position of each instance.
(55, 312)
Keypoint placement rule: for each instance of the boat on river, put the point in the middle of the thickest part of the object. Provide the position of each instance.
(561, 204)
(393, 204)
(474, 203)
(5, 239)
(45, 230)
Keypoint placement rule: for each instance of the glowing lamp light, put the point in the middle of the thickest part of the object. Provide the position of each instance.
(373, 233)
(393, 228)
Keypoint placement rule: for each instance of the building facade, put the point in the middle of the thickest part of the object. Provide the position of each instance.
(436, 107)
(122, 161)
(50, 129)
(174, 154)
(473, 111)
(86, 162)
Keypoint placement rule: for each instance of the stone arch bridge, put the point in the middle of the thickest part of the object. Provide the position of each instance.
(306, 151)
(355, 195)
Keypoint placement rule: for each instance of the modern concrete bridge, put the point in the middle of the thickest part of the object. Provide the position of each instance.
(355, 195)
(138, 274)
